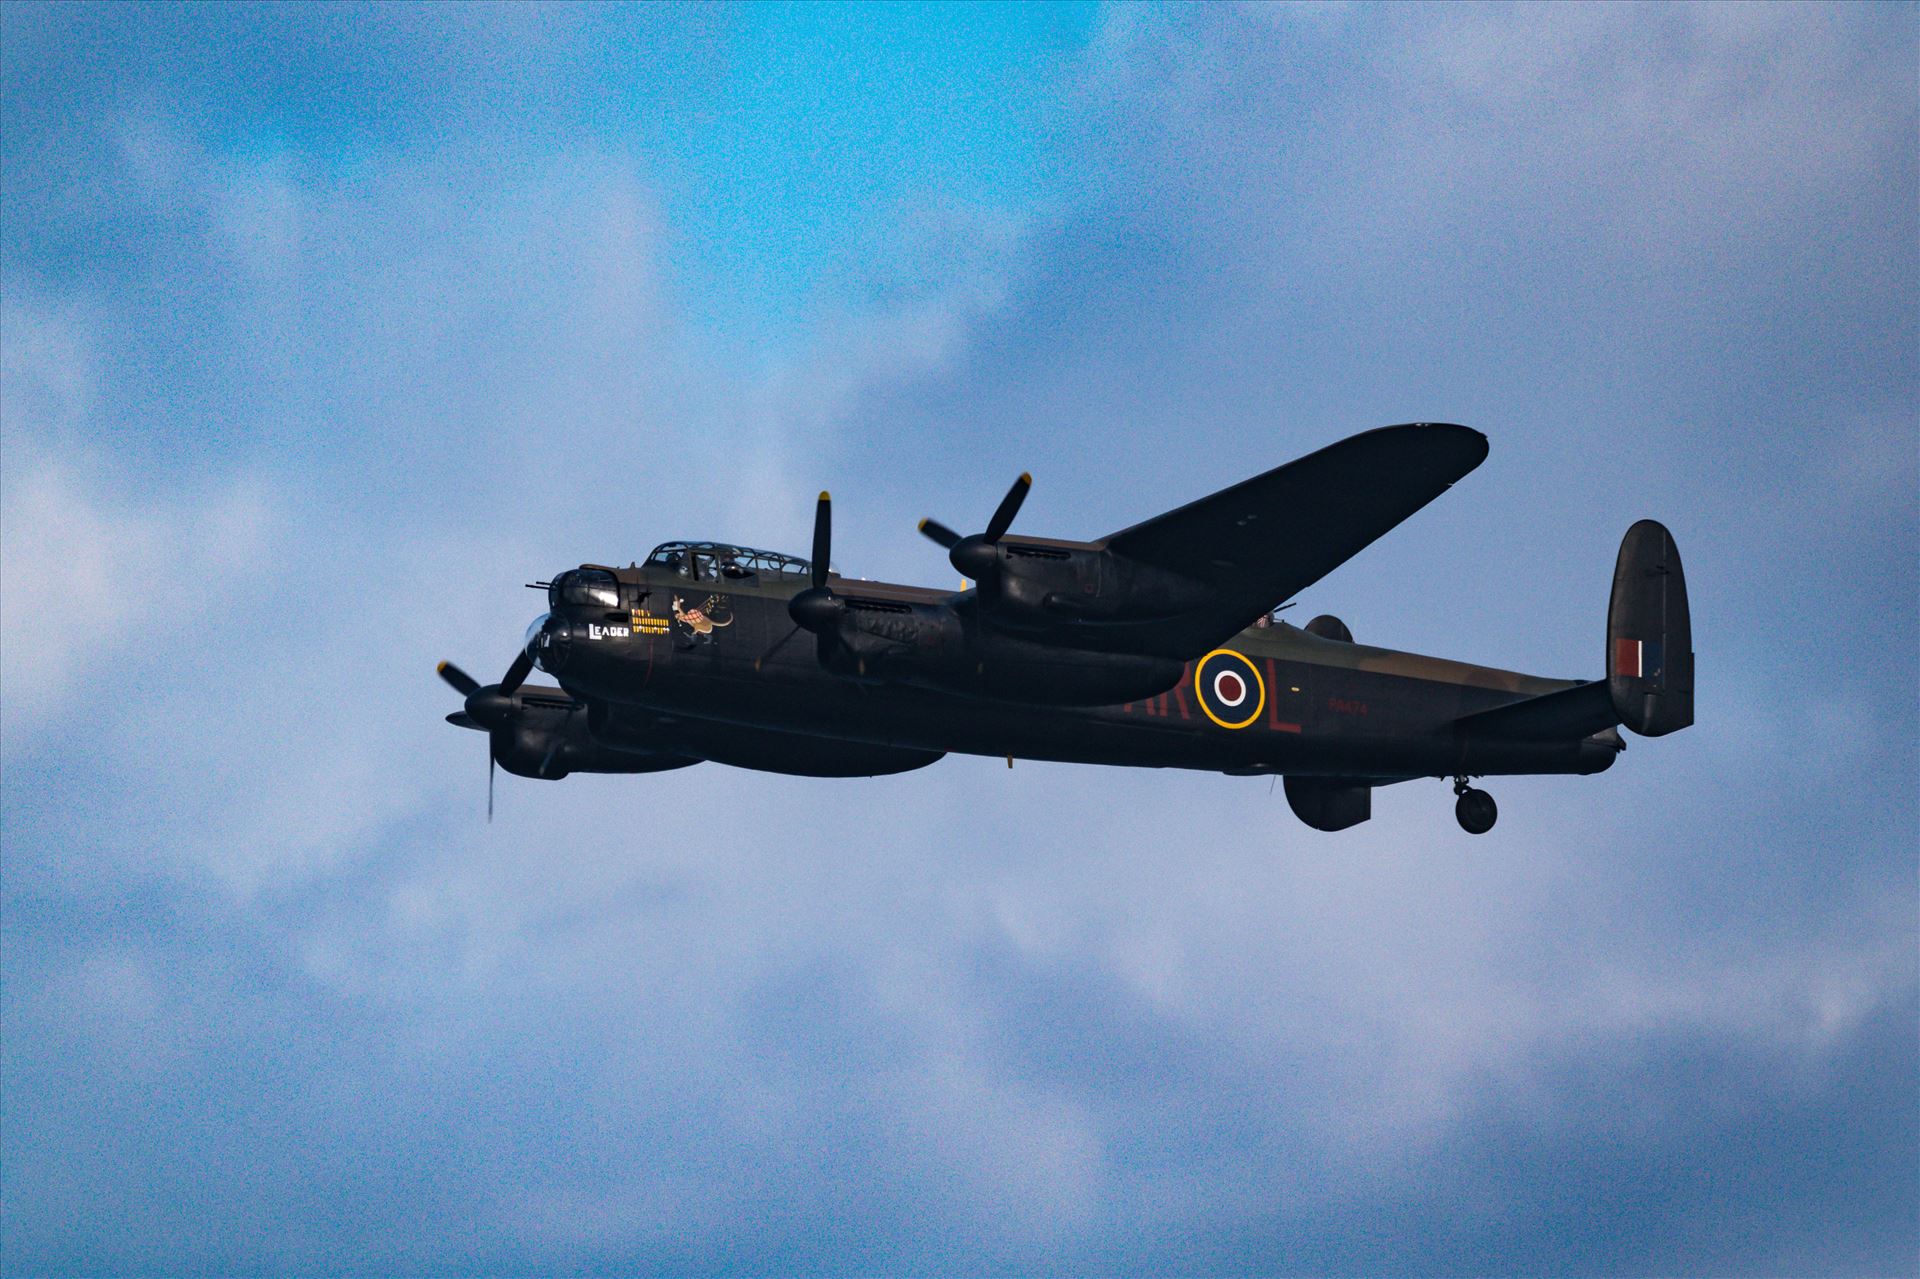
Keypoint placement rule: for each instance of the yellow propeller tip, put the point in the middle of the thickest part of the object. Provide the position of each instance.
(441, 669)
(1026, 477)
(922, 526)
(825, 496)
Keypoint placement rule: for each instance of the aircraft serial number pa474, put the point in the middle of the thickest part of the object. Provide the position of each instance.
(1133, 649)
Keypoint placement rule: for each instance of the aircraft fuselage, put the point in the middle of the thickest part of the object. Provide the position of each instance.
(680, 658)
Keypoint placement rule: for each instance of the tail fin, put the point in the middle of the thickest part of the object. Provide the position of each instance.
(1649, 635)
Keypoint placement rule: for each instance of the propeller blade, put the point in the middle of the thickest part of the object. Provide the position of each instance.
(822, 538)
(493, 743)
(463, 683)
(493, 702)
(1008, 508)
(777, 646)
(940, 533)
(559, 740)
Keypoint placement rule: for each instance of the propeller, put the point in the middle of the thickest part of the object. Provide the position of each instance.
(978, 556)
(489, 707)
(817, 608)
(559, 740)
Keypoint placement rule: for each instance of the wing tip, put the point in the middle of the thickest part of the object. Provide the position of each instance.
(1451, 428)
(1473, 445)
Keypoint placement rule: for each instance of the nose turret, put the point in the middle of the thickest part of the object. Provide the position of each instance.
(548, 638)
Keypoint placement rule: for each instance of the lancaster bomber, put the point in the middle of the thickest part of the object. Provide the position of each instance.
(1157, 646)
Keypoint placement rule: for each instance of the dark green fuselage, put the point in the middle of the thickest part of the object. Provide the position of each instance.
(712, 668)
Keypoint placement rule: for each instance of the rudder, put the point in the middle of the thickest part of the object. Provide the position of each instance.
(1649, 634)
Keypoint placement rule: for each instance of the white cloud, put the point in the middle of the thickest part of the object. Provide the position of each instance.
(1426, 141)
(487, 382)
(462, 384)
(92, 569)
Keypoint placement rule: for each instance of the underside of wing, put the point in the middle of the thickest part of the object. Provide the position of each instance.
(1258, 543)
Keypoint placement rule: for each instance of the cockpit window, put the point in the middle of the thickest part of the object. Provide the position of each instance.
(591, 586)
(719, 562)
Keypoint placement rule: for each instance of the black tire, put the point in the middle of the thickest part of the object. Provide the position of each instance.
(1475, 811)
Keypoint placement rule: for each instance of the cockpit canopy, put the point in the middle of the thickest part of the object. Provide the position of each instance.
(595, 587)
(719, 562)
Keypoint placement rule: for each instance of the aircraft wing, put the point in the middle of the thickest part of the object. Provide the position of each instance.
(1263, 540)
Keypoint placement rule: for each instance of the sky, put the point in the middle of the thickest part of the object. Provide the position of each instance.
(323, 329)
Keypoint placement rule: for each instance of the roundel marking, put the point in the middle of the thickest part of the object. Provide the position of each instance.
(1230, 690)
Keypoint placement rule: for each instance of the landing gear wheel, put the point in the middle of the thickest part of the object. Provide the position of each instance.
(1476, 811)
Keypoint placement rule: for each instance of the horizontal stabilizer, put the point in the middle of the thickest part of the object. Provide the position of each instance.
(1569, 714)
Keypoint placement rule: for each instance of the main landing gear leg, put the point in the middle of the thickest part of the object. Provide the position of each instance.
(1474, 809)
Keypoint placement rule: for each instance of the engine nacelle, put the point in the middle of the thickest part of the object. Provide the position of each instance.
(938, 647)
(1042, 584)
(548, 737)
(765, 750)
